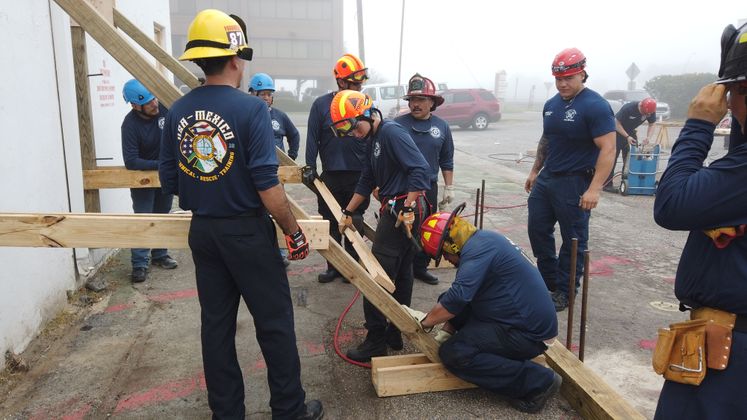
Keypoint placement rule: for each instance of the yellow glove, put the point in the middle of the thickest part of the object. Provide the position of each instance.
(442, 336)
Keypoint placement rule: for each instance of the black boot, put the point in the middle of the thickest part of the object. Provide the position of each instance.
(313, 410)
(394, 338)
(374, 345)
(425, 276)
(330, 275)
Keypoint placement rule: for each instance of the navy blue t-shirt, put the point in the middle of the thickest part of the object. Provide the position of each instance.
(394, 163)
(141, 140)
(337, 154)
(217, 151)
(693, 197)
(630, 117)
(571, 127)
(282, 126)
(433, 138)
(500, 283)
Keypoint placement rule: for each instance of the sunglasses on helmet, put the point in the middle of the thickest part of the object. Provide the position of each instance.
(344, 128)
(358, 76)
(562, 69)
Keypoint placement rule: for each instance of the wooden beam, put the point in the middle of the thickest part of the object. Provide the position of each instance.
(91, 201)
(81, 230)
(120, 49)
(155, 50)
(119, 177)
(412, 374)
(586, 392)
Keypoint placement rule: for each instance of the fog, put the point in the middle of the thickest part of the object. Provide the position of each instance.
(465, 43)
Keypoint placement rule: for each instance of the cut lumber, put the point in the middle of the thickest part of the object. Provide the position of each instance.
(412, 374)
(95, 230)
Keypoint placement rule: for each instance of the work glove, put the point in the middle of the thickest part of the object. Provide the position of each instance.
(298, 246)
(418, 316)
(442, 336)
(448, 197)
(293, 156)
(346, 222)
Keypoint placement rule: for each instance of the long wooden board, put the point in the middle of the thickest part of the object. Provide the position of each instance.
(412, 374)
(119, 177)
(84, 230)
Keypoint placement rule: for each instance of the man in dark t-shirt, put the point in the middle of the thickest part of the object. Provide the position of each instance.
(627, 120)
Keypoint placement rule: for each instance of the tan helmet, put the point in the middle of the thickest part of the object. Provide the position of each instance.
(213, 33)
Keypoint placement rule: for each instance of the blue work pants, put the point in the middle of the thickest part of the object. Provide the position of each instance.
(149, 200)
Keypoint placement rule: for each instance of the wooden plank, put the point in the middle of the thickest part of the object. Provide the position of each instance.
(91, 201)
(391, 380)
(120, 177)
(120, 49)
(155, 50)
(81, 230)
(586, 392)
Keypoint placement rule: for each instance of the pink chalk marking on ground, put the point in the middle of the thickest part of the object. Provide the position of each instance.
(169, 296)
(308, 269)
(117, 308)
(669, 280)
(54, 412)
(79, 414)
(313, 348)
(602, 266)
(647, 344)
(260, 364)
(162, 393)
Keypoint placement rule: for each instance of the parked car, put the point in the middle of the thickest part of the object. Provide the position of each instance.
(618, 98)
(386, 96)
(466, 108)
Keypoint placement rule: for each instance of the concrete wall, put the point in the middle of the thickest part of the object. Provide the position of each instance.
(42, 165)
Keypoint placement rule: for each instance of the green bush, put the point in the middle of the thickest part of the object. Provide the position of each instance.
(678, 90)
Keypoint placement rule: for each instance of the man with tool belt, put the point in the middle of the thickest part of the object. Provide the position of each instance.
(396, 166)
(342, 160)
(627, 120)
(573, 159)
(497, 314)
(218, 155)
(710, 202)
(433, 138)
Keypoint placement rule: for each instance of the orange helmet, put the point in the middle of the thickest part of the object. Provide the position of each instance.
(351, 68)
(346, 110)
(647, 106)
(423, 86)
(435, 230)
(568, 62)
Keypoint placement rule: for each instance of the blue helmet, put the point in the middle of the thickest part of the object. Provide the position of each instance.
(260, 82)
(135, 93)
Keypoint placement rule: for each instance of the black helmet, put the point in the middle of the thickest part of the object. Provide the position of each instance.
(733, 66)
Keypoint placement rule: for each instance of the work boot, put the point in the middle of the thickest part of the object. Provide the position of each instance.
(394, 338)
(373, 346)
(313, 410)
(536, 403)
(139, 274)
(165, 262)
(426, 277)
(560, 300)
(330, 275)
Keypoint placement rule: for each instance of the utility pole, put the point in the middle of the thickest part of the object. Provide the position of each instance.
(361, 45)
(401, 37)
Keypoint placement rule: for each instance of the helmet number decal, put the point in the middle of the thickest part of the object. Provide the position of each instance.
(236, 38)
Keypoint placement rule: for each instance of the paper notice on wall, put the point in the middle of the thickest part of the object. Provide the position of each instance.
(104, 89)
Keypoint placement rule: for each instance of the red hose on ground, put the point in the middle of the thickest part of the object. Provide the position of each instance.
(336, 340)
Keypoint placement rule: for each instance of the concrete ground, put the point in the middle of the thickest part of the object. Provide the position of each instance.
(133, 351)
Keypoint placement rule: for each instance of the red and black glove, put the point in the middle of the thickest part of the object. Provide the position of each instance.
(298, 246)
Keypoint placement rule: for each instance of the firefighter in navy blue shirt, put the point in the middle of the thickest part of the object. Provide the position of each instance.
(574, 157)
(141, 142)
(342, 160)
(627, 120)
(711, 202)
(396, 166)
(497, 314)
(263, 86)
(218, 154)
(433, 138)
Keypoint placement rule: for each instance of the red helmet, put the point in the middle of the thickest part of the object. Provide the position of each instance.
(423, 86)
(568, 62)
(351, 68)
(435, 230)
(647, 106)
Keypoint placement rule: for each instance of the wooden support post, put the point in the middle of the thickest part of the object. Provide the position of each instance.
(96, 230)
(91, 201)
(155, 50)
(118, 47)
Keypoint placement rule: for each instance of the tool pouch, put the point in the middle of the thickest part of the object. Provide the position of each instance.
(680, 353)
(719, 325)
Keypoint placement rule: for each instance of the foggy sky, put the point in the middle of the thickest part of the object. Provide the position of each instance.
(463, 43)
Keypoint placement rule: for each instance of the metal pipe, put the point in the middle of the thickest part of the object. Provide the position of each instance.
(477, 206)
(571, 292)
(482, 203)
(584, 299)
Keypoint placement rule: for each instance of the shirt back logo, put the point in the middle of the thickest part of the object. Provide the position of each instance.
(206, 155)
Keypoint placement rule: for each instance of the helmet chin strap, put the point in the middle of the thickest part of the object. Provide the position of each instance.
(370, 120)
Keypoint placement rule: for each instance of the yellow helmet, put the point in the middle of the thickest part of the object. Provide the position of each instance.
(213, 33)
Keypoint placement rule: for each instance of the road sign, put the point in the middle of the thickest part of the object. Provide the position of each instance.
(632, 71)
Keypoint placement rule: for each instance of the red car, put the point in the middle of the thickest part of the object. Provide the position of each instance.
(475, 108)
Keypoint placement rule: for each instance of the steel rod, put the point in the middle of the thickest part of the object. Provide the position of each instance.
(571, 292)
(477, 206)
(584, 303)
(482, 203)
